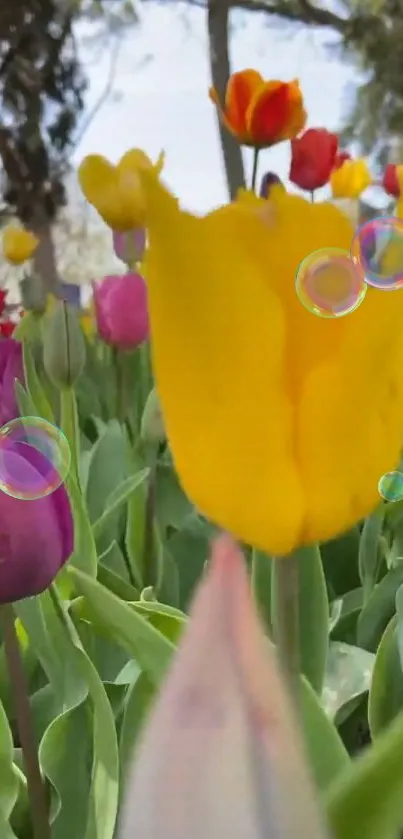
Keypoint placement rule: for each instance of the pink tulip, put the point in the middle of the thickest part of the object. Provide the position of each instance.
(222, 756)
(121, 310)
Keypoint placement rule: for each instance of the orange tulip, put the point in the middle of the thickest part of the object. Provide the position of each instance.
(261, 113)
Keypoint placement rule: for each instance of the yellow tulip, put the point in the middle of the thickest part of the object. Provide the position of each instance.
(350, 179)
(280, 423)
(115, 191)
(19, 245)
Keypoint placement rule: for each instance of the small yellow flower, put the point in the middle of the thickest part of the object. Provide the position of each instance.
(19, 245)
(115, 191)
(280, 423)
(350, 179)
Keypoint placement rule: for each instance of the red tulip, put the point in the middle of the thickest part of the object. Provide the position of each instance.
(312, 160)
(392, 178)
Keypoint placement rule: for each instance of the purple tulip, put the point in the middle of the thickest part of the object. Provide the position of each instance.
(129, 246)
(36, 537)
(121, 310)
(269, 180)
(11, 368)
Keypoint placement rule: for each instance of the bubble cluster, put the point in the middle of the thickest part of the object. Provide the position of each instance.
(390, 486)
(377, 252)
(328, 285)
(34, 458)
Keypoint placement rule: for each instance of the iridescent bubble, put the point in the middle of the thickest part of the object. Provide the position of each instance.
(390, 486)
(377, 252)
(328, 285)
(17, 437)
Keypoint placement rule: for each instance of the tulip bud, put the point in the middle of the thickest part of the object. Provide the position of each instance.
(33, 294)
(129, 246)
(269, 180)
(63, 345)
(224, 729)
(152, 423)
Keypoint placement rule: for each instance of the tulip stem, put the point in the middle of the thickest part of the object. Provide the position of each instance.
(254, 169)
(285, 600)
(36, 788)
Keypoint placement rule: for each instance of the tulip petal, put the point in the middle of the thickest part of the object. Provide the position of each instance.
(275, 113)
(351, 417)
(218, 340)
(95, 174)
(221, 755)
(241, 88)
(99, 181)
(267, 113)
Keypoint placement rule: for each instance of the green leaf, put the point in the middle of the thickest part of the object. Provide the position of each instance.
(117, 584)
(104, 794)
(168, 620)
(118, 498)
(379, 609)
(70, 427)
(107, 469)
(135, 532)
(149, 648)
(327, 756)
(65, 755)
(348, 676)
(54, 652)
(386, 694)
(24, 401)
(340, 561)
(349, 609)
(136, 709)
(169, 588)
(369, 555)
(366, 800)
(84, 555)
(172, 504)
(190, 553)
(9, 781)
(104, 790)
(34, 387)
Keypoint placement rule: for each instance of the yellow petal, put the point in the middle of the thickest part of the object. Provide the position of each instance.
(218, 344)
(99, 181)
(351, 179)
(19, 245)
(95, 174)
(280, 423)
(132, 196)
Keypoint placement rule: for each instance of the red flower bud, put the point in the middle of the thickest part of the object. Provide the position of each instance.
(313, 156)
(390, 180)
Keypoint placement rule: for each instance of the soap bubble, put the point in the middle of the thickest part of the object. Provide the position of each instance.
(377, 252)
(390, 486)
(20, 436)
(328, 285)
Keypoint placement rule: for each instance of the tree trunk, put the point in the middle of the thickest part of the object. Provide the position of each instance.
(218, 19)
(44, 260)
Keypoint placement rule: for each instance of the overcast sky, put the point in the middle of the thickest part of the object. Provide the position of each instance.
(162, 103)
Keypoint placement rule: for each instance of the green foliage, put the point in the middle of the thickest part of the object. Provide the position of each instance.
(97, 645)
